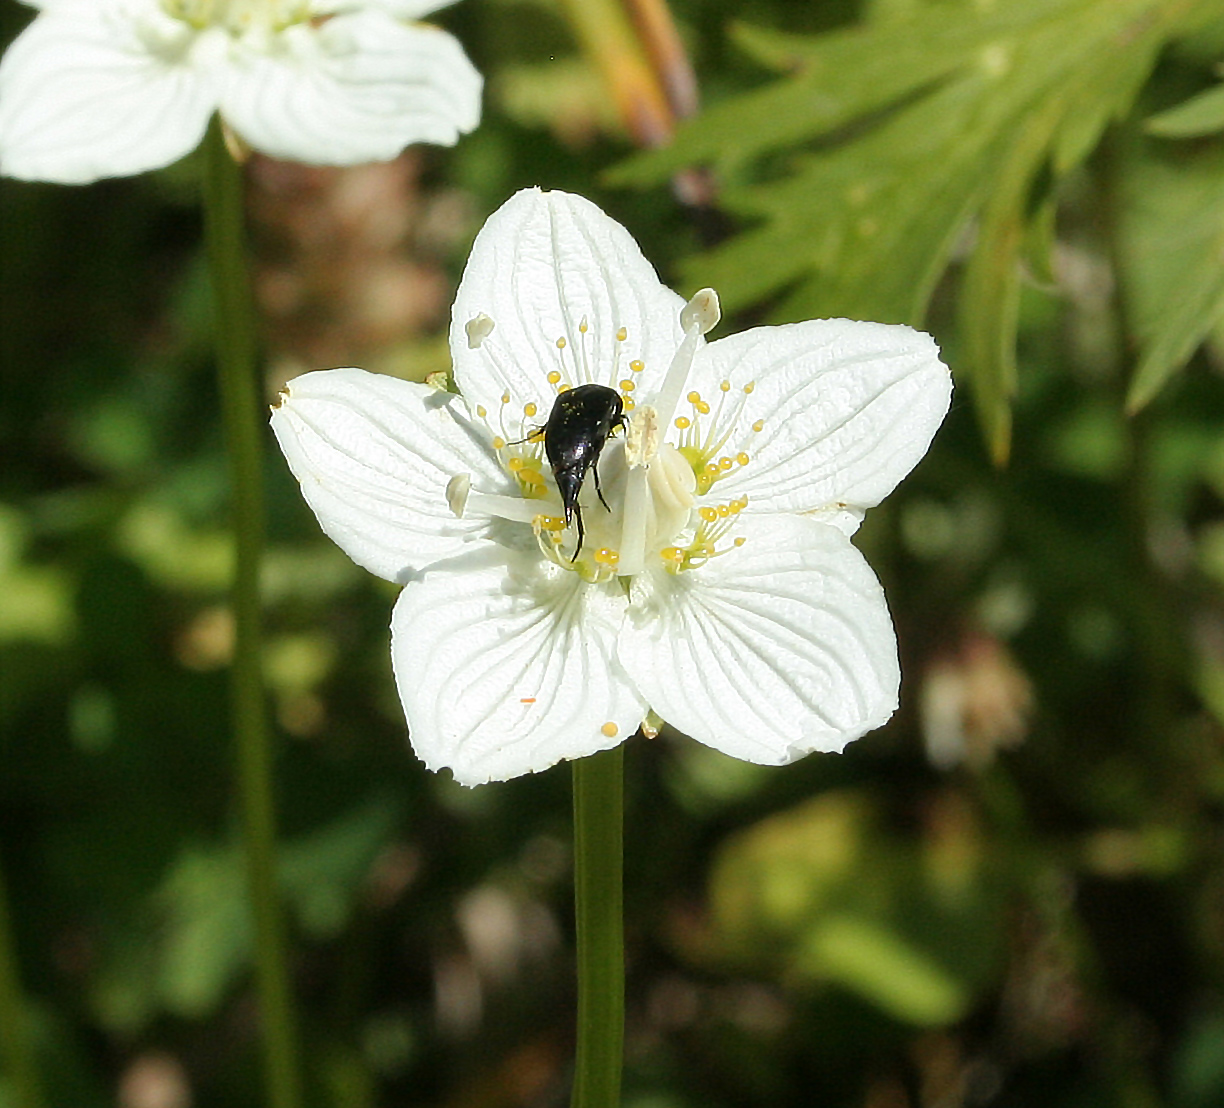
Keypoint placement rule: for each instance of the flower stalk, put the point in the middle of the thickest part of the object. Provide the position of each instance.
(234, 325)
(598, 877)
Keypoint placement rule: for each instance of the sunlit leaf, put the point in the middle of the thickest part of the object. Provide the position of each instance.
(1200, 115)
(1170, 254)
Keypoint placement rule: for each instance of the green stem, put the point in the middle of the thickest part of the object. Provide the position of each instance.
(241, 401)
(15, 1049)
(599, 817)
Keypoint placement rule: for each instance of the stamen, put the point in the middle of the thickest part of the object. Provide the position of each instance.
(478, 328)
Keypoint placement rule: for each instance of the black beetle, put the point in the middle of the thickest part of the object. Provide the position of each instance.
(579, 424)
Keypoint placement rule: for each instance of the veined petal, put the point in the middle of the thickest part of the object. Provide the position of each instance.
(544, 264)
(507, 666)
(357, 88)
(847, 410)
(99, 90)
(770, 651)
(373, 455)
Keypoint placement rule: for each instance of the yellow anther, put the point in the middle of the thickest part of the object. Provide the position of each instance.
(702, 407)
(709, 514)
(610, 729)
(515, 464)
(498, 442)
(480, 411)
(694, 397)
(605, 556)
(629, 404)
(672, 554)
(742, 458)
(553, 377)
(582, 326)
(529, 409)
(561, 343)
(505, 398)
(725, 386)
(725, 463)
(627, 385)
(530, 476)
(550, 523)
(683, 423)
(740, 540)
(711, 469)
(757, 425)
(622, 334)
(637, 365)
(749, 387)
(723, 511)
(563, 388)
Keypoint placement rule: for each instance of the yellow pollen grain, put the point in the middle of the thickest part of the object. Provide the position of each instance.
(742, 458)
(498, 442)
(760, 423)
(725, 463)
(529, 409)
(610, 729)
(637, 365)
(627, 385)
(561, 343)
(709, 514)
(683, 423)
(622, 334)
(553, 377)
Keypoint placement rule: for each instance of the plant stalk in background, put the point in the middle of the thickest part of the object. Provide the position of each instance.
(234, 324)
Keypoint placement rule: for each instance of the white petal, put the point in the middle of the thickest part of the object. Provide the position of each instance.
(402, 9)
(374, 455)
(506, 668)
(848, 409)
(357, 88)
(99, 90)
(542, 264)
(770, 651)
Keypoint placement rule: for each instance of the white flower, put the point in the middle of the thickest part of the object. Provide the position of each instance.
(106, 88)
(718, 587)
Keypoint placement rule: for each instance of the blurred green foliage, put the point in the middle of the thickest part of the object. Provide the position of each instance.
(1011, 895)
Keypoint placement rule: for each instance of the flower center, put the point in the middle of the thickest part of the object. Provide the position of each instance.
(239, 17)
(650, 485)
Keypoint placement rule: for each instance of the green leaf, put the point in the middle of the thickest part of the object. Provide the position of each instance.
(1200, 115)
(1170, 254)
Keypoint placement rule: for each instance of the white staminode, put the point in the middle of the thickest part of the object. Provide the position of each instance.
(106, 88)
(718, 588)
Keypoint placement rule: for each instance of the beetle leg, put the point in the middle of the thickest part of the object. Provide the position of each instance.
(578, 518)
(598, 490)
